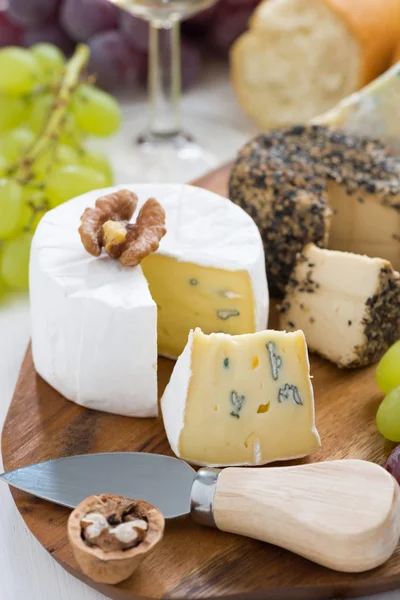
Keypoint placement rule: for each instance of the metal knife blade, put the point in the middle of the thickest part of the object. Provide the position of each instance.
(225, 498)
(163, 481)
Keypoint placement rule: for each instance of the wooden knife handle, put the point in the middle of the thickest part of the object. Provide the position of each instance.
(342, 514)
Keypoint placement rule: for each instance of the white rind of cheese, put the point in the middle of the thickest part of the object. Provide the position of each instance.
(174, 403)
(94, 323)
(94, 333)
(173, 412)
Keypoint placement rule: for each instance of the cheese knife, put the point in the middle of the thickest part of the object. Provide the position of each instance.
(342, 514)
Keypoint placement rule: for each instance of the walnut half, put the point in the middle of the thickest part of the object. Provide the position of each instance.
(110, 535)
(118, 206)
(107, 225)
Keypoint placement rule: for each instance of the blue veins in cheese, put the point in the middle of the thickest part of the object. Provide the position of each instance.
(241, 400)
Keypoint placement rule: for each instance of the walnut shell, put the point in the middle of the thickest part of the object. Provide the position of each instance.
(115, 566)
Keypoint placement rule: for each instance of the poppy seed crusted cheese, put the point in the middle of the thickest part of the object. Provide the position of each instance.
(316, 184)
(348, 305)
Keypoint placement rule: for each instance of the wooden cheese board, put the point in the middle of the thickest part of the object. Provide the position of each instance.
(194, 561)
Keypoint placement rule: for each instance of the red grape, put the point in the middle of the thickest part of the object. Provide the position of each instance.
(393, 464)
(228, 4)
(10, 34)
(51, 33)
(135, 30)
(229, 22)
(31, 12)
(114, 61)
(83, 18)
(204, 17)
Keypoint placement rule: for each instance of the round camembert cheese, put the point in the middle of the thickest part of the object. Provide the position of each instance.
(95, 336)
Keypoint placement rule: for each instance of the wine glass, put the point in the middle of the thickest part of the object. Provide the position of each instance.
(165, 149)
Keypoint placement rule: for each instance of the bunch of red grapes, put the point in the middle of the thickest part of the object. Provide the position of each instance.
(119, 41)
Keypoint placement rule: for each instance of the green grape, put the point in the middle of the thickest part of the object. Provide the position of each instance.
(388, 416)
(35, 220)
(388, 369)
(14, 266)
(43, 165)
(67, 182)
(20, 71)
(66, 155)
(96, 112)
(4, 164)
(51, 60)
(34, 207)
(13, 111)
(15, 143)
(71, 134)
(61, 155)
(3, 288)
(10, 207)
(97, 160)
(40, 108)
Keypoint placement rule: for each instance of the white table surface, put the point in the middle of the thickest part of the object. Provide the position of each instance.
(27, 572)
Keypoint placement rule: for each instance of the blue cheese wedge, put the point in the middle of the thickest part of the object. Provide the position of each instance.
(348, 305)
(241, 400)
(374, 110)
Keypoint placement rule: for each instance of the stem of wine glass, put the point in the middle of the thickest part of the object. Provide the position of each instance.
(164, 80)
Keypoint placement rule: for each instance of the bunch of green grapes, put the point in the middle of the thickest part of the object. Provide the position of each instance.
(388, 415)
(46, 111)
(388, 380)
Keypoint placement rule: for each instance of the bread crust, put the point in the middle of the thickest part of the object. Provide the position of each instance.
(373, 31)
(376, 26)
(396, 55)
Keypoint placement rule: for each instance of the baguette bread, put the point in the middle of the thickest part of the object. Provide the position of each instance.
(300, 57)
(396, 55)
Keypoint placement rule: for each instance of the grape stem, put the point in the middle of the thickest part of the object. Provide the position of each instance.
(53, 128)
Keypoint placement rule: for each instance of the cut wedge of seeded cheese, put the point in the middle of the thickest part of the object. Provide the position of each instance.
(241, 400)
(313, 183)
(299, 58)
(348, 305)
(94, 322)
